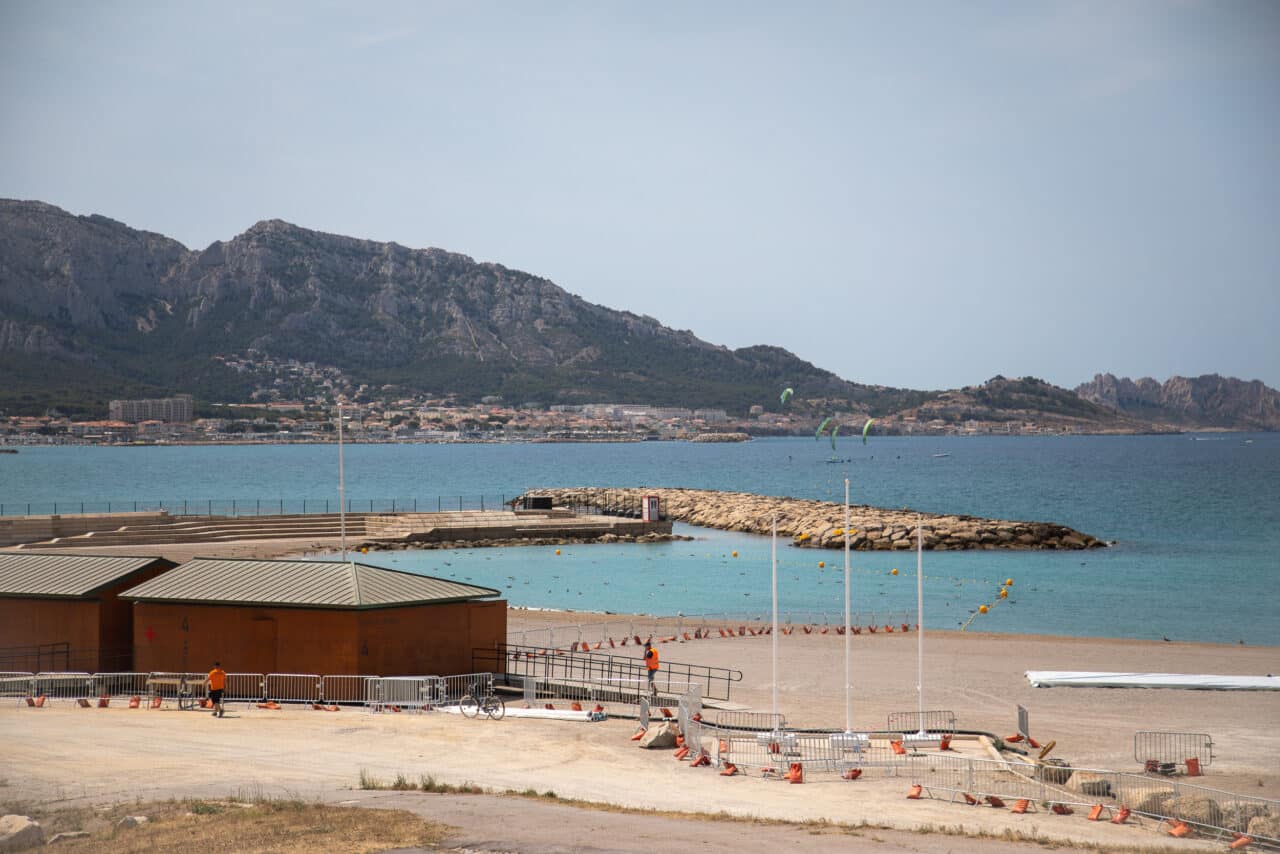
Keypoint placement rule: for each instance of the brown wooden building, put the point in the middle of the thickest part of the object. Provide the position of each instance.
(324, 617)
(64, 612)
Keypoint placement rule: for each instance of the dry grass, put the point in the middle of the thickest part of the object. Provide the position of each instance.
(424, 783)
(234, 826)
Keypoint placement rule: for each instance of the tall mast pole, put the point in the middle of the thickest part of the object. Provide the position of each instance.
(775, 618)
(848, 678)
(920, 616)
(342, 489)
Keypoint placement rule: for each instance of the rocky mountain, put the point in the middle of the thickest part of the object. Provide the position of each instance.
(1023, 402)
(91, 306)
(1208, 401)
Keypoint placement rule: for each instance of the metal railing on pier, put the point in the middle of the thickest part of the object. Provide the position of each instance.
(303, 506)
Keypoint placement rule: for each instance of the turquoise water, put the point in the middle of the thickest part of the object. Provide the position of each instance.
(1196, 521)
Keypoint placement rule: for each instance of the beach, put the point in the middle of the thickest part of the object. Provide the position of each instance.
(979, 677)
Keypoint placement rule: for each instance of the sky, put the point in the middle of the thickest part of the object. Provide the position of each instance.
(921, 194)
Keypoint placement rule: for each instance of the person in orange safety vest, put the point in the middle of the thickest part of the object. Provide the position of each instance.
(217, 684)
(651, 663)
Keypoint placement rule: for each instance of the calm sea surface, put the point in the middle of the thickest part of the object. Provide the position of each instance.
(1195, 520)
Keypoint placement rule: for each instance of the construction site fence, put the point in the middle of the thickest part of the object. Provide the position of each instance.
(933, 720)
(613, 634)
(1212, 813)
(1191, 750)
(603, 670)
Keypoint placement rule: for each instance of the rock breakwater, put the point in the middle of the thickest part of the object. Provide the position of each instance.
(820, 524)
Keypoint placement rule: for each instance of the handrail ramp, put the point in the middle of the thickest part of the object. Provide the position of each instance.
(603, 672)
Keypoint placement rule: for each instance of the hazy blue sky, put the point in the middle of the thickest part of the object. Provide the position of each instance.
(919, 194)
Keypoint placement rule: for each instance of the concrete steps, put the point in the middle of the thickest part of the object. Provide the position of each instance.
(207, 529)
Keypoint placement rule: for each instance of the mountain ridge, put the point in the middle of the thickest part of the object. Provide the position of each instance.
(91, 308)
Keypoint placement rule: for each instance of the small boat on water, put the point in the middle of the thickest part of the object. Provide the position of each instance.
(8, 450)
(938, 456)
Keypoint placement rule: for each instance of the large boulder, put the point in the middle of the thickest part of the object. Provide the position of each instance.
(1088, 783)
(1265, 825)
(661, 735)
(1159, 802)
(1199, 810)
(1054, 771)
(20, 832)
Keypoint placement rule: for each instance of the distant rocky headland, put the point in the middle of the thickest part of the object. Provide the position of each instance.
(820, 524)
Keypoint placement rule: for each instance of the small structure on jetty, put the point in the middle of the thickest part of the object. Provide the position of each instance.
(820, 524)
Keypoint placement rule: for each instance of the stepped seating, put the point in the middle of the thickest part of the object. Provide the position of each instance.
(386, 527)
(214, 529)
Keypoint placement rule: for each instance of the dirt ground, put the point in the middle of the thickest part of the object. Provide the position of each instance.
(65, 755)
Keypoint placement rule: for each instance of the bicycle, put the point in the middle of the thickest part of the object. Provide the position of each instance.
(474, 703)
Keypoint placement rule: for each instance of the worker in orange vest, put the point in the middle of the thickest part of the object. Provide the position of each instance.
(217, 684)
(651, 663)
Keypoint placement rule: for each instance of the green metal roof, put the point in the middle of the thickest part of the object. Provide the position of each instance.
(301, 584)
(43, 575)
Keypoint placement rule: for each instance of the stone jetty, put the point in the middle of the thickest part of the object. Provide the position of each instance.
(820, 524)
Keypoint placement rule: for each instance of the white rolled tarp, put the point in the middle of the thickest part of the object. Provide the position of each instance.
(1192, 681)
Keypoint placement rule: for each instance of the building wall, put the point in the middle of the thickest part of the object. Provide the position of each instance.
(177, 637)
(421, 640)
(115, 621)
(413, 640)
(31, 622)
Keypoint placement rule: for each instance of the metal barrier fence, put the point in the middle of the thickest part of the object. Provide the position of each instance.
(292, 687)
(344, 689)
(1155, 749)
(258, 506)
(112, 685)
(403, 693)
(935, 720)
(756, 721)
(244, 688)
(454, 688)
(63, 686)
(1211, 812)
(16, 685)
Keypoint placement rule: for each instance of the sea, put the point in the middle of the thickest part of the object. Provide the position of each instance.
(1193, 521)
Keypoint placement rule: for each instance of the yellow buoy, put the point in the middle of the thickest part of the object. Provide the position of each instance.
(982, 609)
(1008, 582)
(363, 550)
(822, 564)
(735, 554)
(1004, 594)
(557, 551)
(893, 572)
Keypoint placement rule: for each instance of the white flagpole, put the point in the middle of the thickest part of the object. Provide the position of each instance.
(848, 679)
(775, 618)
(920, 616)
(342, 490)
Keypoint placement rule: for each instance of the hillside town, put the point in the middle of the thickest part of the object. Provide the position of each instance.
(295, 401)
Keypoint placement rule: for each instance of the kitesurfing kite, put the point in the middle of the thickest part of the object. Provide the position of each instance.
(865, 428)
(786, 395)
(822, 428)
(834, 431)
